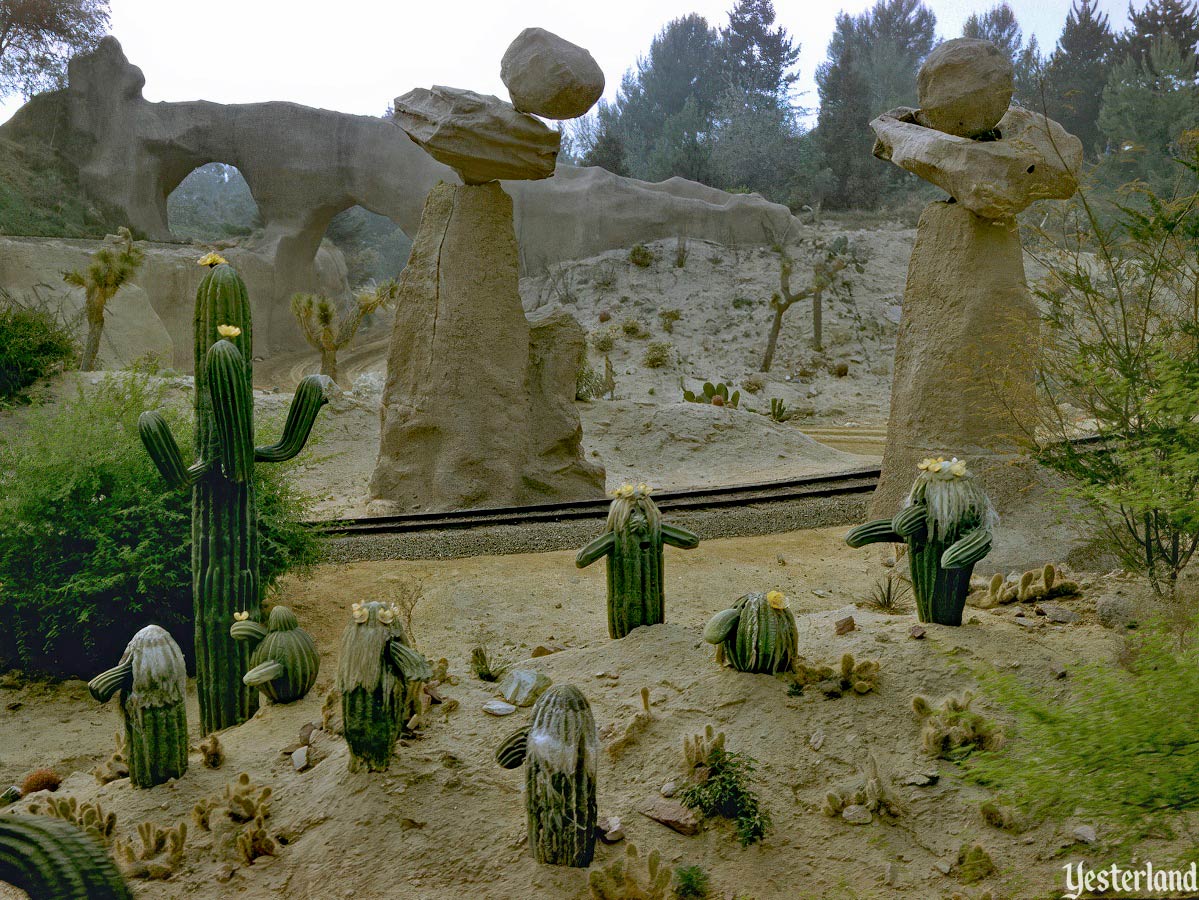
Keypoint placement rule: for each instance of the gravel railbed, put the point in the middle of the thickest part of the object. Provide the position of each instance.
(495, 540)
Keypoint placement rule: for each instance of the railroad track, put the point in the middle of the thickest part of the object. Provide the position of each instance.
(858, 482)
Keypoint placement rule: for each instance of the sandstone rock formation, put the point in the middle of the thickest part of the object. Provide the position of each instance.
(304, 166)
(477, 409)
(549, 76)
(961, 377)
(964, 87)
(479, 136)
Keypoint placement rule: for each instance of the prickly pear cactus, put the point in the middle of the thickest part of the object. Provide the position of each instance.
(152, 679)
(757, 634)
(284, 663)
(225, 554)
(50, 859)
(379, 676)
(559, 750)
(632, 541)
(946, 523)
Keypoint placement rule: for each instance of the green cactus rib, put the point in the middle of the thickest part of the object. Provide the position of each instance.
(512, 750)
(107, 683)
(285, 662)
(411, 665)
(877, 532)
(560, 785)
(156, 744)
(967, 550)
(765, 639)
(940, 593)
(372, 724)
(50, 859)
(225, 550)
(632, 542)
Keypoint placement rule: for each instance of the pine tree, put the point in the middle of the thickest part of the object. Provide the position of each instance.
(757, 56)
(1029, 76)
(1176, 19)
(1077, 67)
(999, 26)
(842, 126)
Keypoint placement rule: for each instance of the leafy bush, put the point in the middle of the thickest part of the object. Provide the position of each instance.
(641, 256)
(725, 792)
(691, 882)
(1119, 747)
(33, 344)
(93, 545)
(634, 328)
(657, 354)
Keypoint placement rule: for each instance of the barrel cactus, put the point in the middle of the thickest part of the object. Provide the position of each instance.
(225, 555)
(379, 676)
(946, 523)
(50, 859)
(757, 634)
(284, 663)
(559, 750)
(152, 679)
(632, 541)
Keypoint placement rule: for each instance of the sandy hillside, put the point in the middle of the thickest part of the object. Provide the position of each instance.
(446, 822)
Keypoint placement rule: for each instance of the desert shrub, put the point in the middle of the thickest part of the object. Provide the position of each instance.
(657, 354)
(726, 792)
(691, 883)
(641, 256)
(604, 341)
(1114, 746)
(753, 384)
(668, 317)
(634, 328)
(93, 545)
(33, 344)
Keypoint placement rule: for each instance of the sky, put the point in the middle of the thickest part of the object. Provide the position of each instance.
(357, 55)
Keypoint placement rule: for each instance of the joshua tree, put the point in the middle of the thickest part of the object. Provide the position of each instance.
(110, 269)
(225, 558)
(317, 316)
(830, 262)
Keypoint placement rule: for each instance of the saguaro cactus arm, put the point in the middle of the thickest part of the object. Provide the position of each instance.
(877, 532)
(721, 625)
(247, 630)
(264, 673)
(104, 685)
(515, 747)
(597, 549)
(967, 550)
(311, 395)
(410, 664)
(164, 451)
(678, 536)
(910, 521)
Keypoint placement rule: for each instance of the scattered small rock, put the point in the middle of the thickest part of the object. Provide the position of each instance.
(610, 829)
(669, 789)
(1115, 612)
(300, 760)
(1084, 834)
(943, 866)
(546, 649)
(846, 625)
(672, 814)
(410, 824)
(917, 632)
(1027, 623)
(816, 741)
(1061, 615)
(1038, 610)
(498, 708)
(922, 779)
(1057, 670)
(856, 814)
(522, 687)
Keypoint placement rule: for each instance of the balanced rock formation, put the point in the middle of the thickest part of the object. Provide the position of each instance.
(479, 136)
(478, 406)
(964, 87)
(961, 374)
(549, 76)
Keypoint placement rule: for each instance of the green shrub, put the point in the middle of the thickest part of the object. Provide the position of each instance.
(641, 256)
(657, 354)
(668, 317)
(1113, 745)
(33, 344)
(691, 882)
(604, 341)
(725, 792)
(634, 328)
(93, 545)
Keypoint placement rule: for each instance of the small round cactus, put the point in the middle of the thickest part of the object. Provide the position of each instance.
(946, 523)
(379, 676)
(152, 679)
(50, 859)
(632, 541)
(757, 634)
(284, 664)
(559, 750)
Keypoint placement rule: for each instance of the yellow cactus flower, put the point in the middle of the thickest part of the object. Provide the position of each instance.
(387, 615)
(957, 468)
(644, 490)
(777, 600)
(240, 616)
(228, 331)
(213, 259)
(931, 464)
(359, 612)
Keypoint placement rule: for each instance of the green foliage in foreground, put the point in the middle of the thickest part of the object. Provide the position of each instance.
(93, 545)
(1120, 746)
(725, 792)
(33, 344)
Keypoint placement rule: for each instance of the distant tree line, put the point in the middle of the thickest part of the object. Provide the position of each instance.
(717, 105)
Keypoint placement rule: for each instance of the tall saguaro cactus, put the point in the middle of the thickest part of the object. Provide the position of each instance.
(225, 556)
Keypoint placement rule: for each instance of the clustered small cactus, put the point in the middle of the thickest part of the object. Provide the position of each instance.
(48, 858)
(946, 524)
(89, 818)
(632, 541)
(714, 395)
(757, 634)
(152, 679)
(869, 790)
(953, 730)
(699, 748)
(379, 676)
(284, 663)
(1031, 587)
(622, 879)
(559, 750)
(160, 852)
